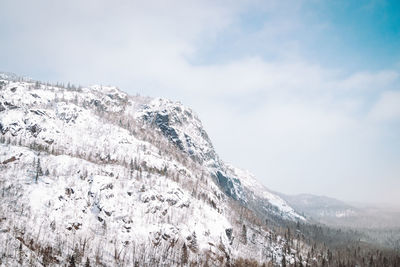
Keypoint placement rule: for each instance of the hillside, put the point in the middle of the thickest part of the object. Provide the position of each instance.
(93, 173)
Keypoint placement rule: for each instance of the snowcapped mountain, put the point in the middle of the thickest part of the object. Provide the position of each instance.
(93, 175)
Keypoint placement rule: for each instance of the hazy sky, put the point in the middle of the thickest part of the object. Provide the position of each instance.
(304, 94)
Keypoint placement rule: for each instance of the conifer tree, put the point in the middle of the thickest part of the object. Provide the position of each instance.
(244, 234)
(184, 258)
(72, 261)
(38, 171)
(193, 243)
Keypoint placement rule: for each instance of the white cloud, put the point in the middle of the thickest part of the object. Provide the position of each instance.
(369, 80)
(387, 107)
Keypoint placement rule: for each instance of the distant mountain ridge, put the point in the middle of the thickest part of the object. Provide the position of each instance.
(334, 212)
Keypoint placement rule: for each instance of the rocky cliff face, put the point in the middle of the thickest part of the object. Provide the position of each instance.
(182, 127)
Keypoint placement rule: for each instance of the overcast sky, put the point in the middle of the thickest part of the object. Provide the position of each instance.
(304, 94)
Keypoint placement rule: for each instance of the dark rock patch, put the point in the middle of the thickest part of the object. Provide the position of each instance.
(226, 185)
(35, 95)
(9, 105)
(13, 158)
(38, 112)
(163, 123)
(34, 129)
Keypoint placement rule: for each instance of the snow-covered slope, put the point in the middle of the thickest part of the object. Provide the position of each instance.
(93, 173)
(263, 198)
